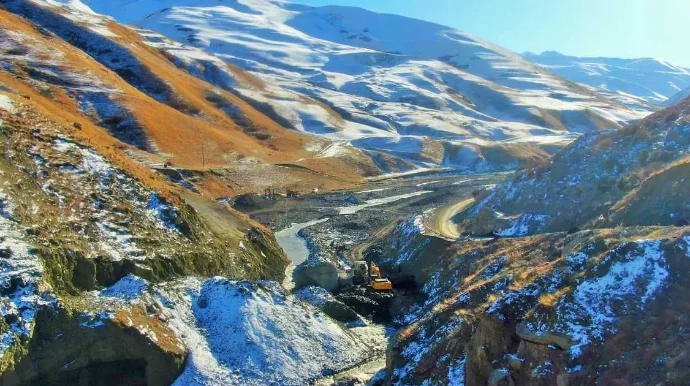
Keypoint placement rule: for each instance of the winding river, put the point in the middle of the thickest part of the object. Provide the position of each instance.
(294, 246)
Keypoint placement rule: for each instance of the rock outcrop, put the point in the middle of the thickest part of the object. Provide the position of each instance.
(322, 274)
(514, 311)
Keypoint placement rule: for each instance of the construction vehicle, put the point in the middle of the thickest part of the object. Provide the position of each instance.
(377, 282)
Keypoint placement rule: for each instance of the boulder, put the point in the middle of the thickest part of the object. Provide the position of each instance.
(323, 274)
(563, 379)
(501, 377)
(340, 311)
(515, 362)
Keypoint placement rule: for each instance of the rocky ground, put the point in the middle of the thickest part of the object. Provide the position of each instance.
(352, 219)
(122, 260)
(341, 227)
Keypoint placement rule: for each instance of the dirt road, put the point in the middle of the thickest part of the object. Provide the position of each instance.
(441, 220)
(358, 251)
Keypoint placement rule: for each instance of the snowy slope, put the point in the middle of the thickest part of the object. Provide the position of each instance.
(378, 81)
(653, 80)
(243, 333)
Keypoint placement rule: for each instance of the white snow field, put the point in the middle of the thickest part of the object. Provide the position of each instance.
(6, 104)
(418, 91)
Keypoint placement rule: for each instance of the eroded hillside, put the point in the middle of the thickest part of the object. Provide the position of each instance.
(625, 177)
(112, 166)
(75, 221)
(122, 260)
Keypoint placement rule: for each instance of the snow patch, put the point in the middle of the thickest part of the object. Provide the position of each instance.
(523, 225)
(373, 190)
(21, 276)
(129, 287)
(314, 295)
(164, 213)
(379, 201)
(7, 104)
(456, 373)
(253, 334)
(596, 304)
(116, 239)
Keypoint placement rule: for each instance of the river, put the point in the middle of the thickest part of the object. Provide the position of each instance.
(294, 246)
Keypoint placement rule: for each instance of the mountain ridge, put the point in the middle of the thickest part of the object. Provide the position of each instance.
(651, 79)
(461, 93)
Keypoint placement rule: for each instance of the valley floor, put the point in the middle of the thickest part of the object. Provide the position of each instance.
(342, 227)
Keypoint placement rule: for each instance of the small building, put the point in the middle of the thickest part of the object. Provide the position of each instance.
(270, 194)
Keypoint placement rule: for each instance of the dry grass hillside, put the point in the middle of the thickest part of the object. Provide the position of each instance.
(86, 114)
(549, 309)
(109, 77)
(76, 216)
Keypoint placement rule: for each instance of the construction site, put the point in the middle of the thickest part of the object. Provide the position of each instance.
(333, 238)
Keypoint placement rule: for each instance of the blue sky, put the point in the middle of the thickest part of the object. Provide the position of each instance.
(620, 28)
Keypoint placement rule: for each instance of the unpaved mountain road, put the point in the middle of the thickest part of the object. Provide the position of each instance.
(441, 222)
(358, 251)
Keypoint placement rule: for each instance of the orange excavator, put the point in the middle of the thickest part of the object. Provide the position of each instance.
(377, 282)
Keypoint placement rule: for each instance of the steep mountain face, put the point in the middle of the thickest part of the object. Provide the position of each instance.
(396, 88)
(73, 222)
(581, 282)
(654, 81)
(120, 144)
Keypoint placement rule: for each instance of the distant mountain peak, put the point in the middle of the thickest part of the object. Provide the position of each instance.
(653, 80)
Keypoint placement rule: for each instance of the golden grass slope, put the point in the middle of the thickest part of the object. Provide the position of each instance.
(189, 122)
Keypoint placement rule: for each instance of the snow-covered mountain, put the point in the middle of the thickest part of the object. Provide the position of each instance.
(653, 80)
(392, 86)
